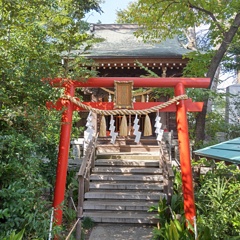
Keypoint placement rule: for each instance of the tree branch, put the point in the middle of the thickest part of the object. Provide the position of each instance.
(162, 1)
(208, 13)
(228, 37)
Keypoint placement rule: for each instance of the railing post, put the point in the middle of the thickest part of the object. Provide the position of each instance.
(93, 157)
(94, 152)
(87, 180)
(80, 206)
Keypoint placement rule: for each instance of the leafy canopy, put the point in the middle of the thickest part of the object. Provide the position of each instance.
(35, 36)
(163, 19)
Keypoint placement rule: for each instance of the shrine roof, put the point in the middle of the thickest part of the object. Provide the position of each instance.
(119, 41)
(228, 151)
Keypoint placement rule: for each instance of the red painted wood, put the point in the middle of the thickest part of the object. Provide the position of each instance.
(185, 158)
(62, 165)
(185, 105)
(190, 106)
(137, 82)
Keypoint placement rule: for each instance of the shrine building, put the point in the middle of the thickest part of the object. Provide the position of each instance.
(121, 54)
(127, 100)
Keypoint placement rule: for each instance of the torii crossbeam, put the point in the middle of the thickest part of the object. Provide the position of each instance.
(179, 85)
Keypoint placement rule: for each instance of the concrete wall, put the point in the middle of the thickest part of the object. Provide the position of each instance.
(233, 104)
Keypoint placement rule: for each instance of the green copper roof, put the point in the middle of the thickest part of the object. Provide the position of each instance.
(119, 41)
(227, 151)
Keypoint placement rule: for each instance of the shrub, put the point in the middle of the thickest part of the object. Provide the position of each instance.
(21, 202)
(217, 202)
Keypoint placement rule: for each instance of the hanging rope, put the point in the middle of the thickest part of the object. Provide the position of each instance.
(126, 111)
(103, 129)
(75, 224)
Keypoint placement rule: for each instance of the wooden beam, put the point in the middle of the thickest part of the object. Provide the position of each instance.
(190, 106)
(137, 82)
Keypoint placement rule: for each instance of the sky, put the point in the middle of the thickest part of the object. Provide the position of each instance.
(109, 11)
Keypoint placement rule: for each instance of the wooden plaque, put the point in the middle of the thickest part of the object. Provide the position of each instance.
(123, 94)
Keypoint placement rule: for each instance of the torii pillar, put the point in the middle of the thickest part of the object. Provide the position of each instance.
(179, 85)
(63, 153)
(185, 157)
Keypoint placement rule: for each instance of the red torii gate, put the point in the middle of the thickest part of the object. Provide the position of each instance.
(179, 85)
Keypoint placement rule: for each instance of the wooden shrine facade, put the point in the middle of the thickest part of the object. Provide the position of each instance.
(121, 54)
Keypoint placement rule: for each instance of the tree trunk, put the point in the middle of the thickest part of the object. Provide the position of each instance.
(228, 37)
(200, 124)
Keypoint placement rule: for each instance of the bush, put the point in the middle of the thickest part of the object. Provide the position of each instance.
(218, 201)
(218, 207)
(21, 192)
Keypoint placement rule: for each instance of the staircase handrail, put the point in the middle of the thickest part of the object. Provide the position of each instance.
(166, 166)
(86, 163)
(84, 179)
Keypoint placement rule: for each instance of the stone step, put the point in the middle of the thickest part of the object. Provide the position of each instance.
(126, 177)
(127, 162)
(108, 148)
(129, 195)
(121, 217)
(126, 141)
(139, 148)
(129, 155)
(116, 205)
(124, 170)
(125, 186)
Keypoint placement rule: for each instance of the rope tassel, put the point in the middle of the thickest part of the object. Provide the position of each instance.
(103, 128)
(123, 127)
(147, 126)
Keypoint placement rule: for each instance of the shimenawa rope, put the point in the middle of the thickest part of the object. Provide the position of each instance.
(126, 111)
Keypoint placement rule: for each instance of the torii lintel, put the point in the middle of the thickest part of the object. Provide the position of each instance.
(137, 82)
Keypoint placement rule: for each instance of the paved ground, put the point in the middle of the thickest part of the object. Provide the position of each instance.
(120, 232)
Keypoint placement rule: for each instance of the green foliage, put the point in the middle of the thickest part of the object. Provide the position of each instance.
(161, 20)
(178, 16)
(14, 236)
(21, 192)
(87, 223)
(170, 226)
(215, 122)
(157, 92)
(124, 15)
(69, 214)
(35, 36)
(233, 131)
(196, 59)
(228, 63)
(217, 202)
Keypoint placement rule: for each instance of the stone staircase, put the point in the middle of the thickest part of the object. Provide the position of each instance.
(123, 186)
